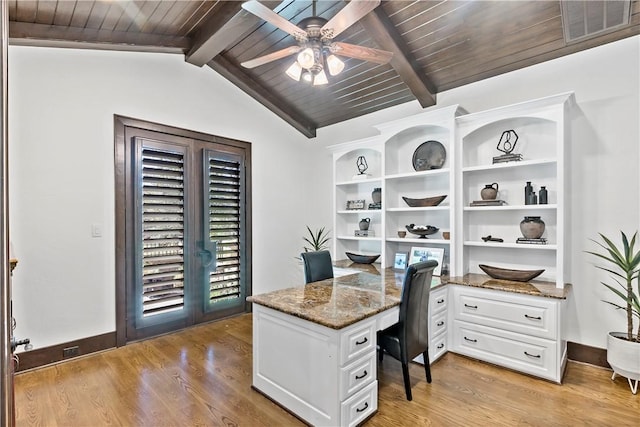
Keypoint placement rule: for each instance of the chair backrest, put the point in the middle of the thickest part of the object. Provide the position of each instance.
(414, 310)
(317, 266)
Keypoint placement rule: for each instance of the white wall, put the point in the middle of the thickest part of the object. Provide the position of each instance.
(604, 166)
(61, 107)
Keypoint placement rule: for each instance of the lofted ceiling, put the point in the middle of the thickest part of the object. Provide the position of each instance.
(436, 45)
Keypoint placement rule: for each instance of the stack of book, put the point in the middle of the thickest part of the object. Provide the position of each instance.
(487, 203)
(364, 233)
(540, 241)
(375, 205)
(507, 158)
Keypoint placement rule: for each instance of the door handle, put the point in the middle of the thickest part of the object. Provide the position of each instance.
(206, 257)
(208, 253)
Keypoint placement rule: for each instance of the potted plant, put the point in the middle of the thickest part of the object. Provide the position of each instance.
(319, 240)
(623, 348)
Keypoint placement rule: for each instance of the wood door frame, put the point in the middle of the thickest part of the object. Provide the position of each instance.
(120, 124)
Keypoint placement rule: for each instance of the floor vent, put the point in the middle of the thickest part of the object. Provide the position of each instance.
(584, 19)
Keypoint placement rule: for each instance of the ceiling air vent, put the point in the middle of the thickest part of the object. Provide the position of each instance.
(583, 19)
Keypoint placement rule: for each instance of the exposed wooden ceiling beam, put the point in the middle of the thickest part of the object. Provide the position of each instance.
(229, 24)
(380, 27)
(236, 75)
(27, 34)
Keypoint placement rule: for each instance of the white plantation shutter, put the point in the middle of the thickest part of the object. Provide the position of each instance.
(161, 229)
(225, 216)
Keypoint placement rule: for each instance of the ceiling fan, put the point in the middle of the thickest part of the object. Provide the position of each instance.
(316, 49)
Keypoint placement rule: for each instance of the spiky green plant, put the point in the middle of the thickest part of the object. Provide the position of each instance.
(624, 267)
(318, 240)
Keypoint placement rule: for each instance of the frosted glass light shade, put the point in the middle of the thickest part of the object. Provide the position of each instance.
(307, 76)
(306, 58)
(320, 79)
(335, 65)
(294, 71)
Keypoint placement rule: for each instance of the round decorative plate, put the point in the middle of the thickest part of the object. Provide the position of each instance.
(429, 155)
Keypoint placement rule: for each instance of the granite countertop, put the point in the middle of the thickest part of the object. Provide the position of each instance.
(362, 290)
(339, 302)
(534, 287)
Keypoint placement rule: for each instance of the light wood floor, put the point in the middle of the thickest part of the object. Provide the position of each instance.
(202, 376)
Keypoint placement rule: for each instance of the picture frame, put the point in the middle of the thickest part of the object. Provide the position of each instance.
(355, 204)
(400, 261)
(422, 253)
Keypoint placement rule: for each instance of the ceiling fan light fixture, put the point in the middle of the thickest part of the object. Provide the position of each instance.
(307, 76)
(306, 58)
(320, 79)
(294, 71)
(335, 65)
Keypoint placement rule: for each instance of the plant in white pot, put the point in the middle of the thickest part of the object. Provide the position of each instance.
(623, 348)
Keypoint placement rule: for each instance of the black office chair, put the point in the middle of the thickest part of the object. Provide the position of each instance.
(409, 337)
(317, 266)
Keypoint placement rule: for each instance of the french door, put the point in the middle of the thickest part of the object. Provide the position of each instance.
(186, 249)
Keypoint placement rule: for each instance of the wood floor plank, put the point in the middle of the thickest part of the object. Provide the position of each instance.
(202, 377)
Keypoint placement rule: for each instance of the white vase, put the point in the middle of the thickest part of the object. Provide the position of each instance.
(624, 358)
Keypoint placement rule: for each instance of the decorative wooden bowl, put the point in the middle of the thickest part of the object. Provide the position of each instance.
(506, 274)
(422, 231)
(362, 259)
(427, 201)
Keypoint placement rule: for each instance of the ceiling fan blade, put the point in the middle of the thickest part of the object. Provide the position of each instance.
(261, 60)
(350, 14)
(360, 52)
(263, 12)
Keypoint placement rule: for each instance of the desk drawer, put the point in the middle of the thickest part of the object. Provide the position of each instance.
(358, 407)
(357, 375)
(357, 341)
(437, 323)
(438, 301)
(437, 347)
(516, 313)
(528, 354)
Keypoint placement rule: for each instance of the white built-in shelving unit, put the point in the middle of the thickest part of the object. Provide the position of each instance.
(389, 158)
(470, 141)
(542, 130)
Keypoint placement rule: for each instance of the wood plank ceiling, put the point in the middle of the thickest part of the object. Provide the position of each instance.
(437, 45)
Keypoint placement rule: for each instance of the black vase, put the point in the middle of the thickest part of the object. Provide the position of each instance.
(376, 195)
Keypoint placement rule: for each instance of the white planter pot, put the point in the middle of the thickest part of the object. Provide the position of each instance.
(624, 358)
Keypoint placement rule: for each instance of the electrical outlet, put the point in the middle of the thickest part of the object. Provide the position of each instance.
(71, 351)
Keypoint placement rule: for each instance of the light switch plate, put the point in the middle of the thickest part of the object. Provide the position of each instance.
(96, 230)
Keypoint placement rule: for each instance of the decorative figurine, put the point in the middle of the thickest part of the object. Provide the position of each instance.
(492, 239)
(362, 164)
(507, 144)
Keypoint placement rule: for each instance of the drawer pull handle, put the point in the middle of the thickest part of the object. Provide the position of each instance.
(440, 346)
(470, 340)
(440, 323)
(533, 317)
(366, 405)
(359, 377)
(475, 307)
(362, 342)
(440, 301)
(537, 356)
